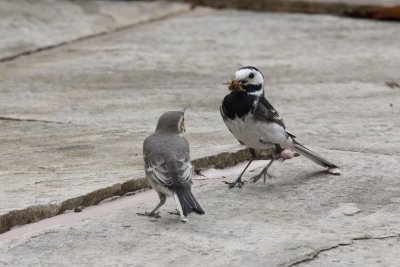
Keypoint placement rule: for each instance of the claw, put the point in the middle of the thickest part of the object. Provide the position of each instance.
(176, 212)
(270, 176)
(258, 176)
(237, 183)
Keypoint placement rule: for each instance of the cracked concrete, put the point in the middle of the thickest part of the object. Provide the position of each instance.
(288, 222)
(360, 249)
(326, 75)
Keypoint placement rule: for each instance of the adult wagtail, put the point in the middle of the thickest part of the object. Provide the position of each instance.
(256, 123)
(167, 165)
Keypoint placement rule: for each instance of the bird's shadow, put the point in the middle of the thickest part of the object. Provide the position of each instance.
(315, 174)
(300, 178)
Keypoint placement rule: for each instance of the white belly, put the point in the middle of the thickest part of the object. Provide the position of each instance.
(258, 135)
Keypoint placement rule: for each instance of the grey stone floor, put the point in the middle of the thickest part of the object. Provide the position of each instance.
(73, 119)
(304, 218)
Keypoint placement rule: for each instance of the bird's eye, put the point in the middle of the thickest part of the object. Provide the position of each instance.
(251, 75)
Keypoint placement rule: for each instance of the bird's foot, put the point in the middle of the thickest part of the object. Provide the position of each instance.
(263, 174)
(237, 182)
(183, 220)
(176, 212)
(150, 214)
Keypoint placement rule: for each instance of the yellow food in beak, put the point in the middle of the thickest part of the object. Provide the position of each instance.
(234, 85)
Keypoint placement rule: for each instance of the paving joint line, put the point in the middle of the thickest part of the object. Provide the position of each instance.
(32, 120)
(94, 35)
(36, 213)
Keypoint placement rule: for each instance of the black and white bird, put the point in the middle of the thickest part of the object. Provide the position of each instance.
(256, 124)
(167, 165)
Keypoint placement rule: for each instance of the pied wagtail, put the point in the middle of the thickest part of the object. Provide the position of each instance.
(167, 165)
(255, 123)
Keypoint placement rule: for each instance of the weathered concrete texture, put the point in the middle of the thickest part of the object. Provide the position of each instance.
(368, 251)
(77, 115)
(26, 26)
(301, 214)
(39, 212)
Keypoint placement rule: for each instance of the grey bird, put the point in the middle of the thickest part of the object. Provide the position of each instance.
(167, 165)
(255, 123)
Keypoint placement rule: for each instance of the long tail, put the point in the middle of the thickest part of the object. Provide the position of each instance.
(311, 155)
(188, 202)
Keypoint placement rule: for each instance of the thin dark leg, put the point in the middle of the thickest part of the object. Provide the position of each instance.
(238, 180)
(154, 212)
(264, 172)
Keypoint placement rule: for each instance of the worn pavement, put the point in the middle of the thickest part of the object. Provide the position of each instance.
(73, 119)
(304, 218)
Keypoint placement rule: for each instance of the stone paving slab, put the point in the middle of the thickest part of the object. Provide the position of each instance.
(27, 26)
(74, 118)
(304, 218)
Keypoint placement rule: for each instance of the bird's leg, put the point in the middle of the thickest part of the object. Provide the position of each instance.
(238, 180)
(154, 212)
(264, 171)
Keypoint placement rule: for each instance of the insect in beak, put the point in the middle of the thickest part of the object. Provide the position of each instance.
(235, 85)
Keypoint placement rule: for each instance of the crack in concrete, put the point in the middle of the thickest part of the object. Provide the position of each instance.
(94, 35)
(39, 212)
(33, 120)
(313, 255)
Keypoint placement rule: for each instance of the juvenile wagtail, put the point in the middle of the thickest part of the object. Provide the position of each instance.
(167, 165)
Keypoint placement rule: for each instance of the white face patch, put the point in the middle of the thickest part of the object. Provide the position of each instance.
(249, 76)
(257, 93)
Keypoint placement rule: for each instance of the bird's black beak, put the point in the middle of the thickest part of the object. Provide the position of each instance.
(235, 85)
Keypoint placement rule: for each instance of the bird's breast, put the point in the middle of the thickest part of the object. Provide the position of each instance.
(257, 134)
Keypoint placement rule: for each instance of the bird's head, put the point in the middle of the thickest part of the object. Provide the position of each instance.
(248, 80)
(172, 122)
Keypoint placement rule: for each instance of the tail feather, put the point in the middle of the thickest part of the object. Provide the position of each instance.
(312, 155)
(188, 202)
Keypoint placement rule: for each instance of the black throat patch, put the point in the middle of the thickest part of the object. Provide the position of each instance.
(237, 104)
(251, 88)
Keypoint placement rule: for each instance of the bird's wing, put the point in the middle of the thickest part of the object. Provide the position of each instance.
(183, 168)
(157, 169)
(169, 170)
(266, 112)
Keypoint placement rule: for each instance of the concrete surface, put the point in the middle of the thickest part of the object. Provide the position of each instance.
(304, 218)
(73, 118)
(27, 26)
